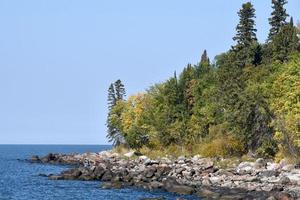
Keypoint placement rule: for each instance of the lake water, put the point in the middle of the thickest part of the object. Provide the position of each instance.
(19, 179)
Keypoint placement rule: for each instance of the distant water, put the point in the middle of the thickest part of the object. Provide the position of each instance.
(19, 179)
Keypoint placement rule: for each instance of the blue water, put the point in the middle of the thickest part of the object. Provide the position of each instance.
(19, 179)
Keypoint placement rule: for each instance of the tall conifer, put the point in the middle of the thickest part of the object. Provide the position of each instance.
(246, 36)
(278, 17)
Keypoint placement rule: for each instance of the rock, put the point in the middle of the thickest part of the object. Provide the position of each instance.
(158, 198)
(245, 168)
(111, 185)
(107, 176)
(156, 185)
(44, 175)
(98, 172)
(205, 163)
(273, 166)
(54, 177)
(260, 163)
(269, 173)
(142, 158)
(288, 168)
(208, 194)
(149, 173)
(206, 182)
(129, 154)
(171, 185)
(283, 196)
(181, 158)
(181, 189)
(35, 159)
(284, 180)
(179, 170)
(147, 161)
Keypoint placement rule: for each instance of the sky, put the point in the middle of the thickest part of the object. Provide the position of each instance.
(58, 57)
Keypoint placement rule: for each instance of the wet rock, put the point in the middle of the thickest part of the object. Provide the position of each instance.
(156, 185)
(111, 185)
(171, 185)
(35, 159)
(54, 177)
(158, 198)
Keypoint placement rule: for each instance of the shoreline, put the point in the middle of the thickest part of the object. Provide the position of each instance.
(187, 176)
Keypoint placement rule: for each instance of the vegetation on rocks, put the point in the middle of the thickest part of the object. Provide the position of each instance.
(246, 101)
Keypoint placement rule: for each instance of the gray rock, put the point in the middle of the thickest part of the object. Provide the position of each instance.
(269, 173)
(107, 176)
(284, 180)
(54, 177)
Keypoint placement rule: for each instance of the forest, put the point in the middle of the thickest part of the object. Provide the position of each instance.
(245, 101)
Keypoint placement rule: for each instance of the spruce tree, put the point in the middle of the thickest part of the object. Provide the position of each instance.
(116, 92)
(204, 58)
(278, 17)
(111, 99)
(120, 90)
(246, 36)
(285, 42)
(204, 65)
(246, 32)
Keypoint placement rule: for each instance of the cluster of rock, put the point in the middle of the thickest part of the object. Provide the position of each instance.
(196, 175)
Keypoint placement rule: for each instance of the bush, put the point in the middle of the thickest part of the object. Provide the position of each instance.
(224, 146)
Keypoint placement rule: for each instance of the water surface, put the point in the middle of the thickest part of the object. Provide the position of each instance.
(19, 179)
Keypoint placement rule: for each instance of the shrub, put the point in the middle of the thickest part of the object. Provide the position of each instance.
(224, 146)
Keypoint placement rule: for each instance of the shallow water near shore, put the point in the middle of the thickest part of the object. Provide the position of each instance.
(19, 179)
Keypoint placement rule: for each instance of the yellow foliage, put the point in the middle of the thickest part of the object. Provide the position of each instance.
(224, 146)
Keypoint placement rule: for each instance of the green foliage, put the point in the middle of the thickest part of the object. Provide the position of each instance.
(247, 50)
(247, 100)
(116, 93)
(221, 144)
(246, 32)
(285, 101)
(285, 42)
(278, 17)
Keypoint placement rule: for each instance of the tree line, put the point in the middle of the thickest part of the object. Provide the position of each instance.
(246, 101)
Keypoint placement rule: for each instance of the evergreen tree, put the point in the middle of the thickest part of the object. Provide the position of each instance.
(204, 58)
(204, 65)
(246, 36)
(246, 32)
(278, 17)
(116, 92)
(111, 97)
(285, 42)
(120, 90)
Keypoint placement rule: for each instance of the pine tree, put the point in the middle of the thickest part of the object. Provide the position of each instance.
(204, 58)
(278, 17)
(285, 42)
(116, 92)
(246, 32)
(120, 90)
(111, 97)
(246, 36)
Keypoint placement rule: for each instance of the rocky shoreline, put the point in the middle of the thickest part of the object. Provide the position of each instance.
(189, 176)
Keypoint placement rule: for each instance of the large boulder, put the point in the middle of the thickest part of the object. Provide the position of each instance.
(171, 185)
(245, 168)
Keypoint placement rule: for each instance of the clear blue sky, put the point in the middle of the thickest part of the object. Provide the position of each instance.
(58, 57)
